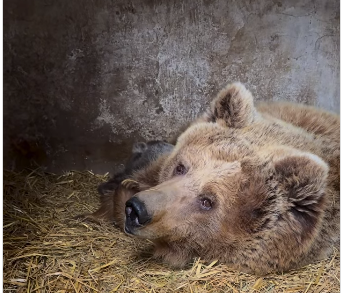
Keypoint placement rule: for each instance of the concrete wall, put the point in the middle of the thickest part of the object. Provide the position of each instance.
(84, 79)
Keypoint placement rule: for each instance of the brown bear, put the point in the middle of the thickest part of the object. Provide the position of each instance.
(255, 187)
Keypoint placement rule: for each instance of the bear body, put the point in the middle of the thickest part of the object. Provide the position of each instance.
(255, 187)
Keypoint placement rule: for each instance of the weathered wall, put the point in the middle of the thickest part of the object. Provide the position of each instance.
(85, 79)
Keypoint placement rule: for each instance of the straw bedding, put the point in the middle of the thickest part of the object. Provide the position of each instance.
(46, 250)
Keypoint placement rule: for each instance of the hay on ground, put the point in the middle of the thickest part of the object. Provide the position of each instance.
(46, 250)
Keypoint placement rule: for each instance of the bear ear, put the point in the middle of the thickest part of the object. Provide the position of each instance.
(302, 179)
(139, 147)
(233, 107)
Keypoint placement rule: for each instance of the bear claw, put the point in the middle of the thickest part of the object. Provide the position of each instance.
(130, 184)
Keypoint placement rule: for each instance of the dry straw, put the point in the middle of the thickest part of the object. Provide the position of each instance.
(46, 250)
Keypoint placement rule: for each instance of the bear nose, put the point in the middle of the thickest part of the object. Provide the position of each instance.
(136, 212)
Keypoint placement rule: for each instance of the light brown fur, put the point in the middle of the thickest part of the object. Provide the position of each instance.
(272, 176)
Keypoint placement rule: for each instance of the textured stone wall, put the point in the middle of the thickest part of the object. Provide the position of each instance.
(83, 79)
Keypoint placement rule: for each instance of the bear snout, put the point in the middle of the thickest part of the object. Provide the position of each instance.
(136, 215)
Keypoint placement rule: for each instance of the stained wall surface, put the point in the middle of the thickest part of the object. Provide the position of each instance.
(83, 80)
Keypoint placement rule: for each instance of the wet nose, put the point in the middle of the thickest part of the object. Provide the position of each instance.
(136, 212)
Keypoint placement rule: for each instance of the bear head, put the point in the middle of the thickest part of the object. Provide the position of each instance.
(223, 194)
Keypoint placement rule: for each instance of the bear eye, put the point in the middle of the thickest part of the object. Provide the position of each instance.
(206, 203)
(180, 170)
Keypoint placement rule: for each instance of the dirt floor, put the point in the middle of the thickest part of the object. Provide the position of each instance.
(46, 250)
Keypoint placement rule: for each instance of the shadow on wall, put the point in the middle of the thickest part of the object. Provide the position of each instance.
(83, 80)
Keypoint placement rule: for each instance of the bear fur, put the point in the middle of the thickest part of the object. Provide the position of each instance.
(255, 187)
